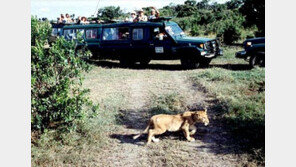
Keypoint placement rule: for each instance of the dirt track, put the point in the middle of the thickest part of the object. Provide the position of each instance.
(213, 146)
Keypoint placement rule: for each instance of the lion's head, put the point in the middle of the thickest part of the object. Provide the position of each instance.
(202, 117)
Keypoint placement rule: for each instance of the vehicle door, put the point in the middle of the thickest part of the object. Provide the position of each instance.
(160, 43)
(115, 41)
(92, 38)
(140, 46)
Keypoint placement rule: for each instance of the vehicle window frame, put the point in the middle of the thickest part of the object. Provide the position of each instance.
(71, 37)
(138, 28)
(106, 37)
(128, 31)
(78, 30)
(55, 32)
(93, 30)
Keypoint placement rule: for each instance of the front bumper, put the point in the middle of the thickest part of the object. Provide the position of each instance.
(213, 55)
(241, 54)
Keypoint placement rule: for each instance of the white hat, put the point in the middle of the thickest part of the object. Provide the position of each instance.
(141, 10)
(133, 12)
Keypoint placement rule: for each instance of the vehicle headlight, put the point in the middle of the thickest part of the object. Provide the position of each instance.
(249, 43)
(203, 53)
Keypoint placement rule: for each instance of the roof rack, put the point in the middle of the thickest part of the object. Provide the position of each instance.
(161, 19)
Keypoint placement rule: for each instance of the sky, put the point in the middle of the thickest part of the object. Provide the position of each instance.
(52, 9)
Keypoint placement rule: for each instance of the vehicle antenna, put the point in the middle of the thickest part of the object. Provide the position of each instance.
(97, 8)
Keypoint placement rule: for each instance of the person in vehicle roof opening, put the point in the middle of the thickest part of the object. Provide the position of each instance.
(62, 19)
(132, 17)
(68, 18)
(154, 13)
(84, 20)
(78, 20)
(141, 16)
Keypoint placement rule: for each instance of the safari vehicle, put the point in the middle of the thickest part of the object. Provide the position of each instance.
(132, 42)
(254, 51)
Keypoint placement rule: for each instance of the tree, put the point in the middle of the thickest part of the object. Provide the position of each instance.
(190, 2)
(110, 12)
(185, 10)
(234, 4)
(254, 10)
(204, 4)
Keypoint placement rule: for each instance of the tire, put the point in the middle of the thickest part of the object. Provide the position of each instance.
(190, 63)
(126, 61)
(145, 62)
(205, 63)
(256, 61)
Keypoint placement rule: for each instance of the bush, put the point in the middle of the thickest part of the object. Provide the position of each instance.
(231, 34)
(56, 96)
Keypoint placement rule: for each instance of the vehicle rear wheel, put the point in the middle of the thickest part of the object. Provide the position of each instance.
(205, 63)
(126, 61)
(256, 61)
(190, 63)
(144, 62)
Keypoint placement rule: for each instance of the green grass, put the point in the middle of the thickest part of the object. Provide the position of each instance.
(172, 103)
(82, 145)
(241, 98)
(239, 94)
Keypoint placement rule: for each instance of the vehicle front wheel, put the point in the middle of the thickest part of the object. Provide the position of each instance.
(205, 63)
(125, 61)
(256, 61)
(188, 63)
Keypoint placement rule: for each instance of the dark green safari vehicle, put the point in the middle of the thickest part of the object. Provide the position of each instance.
(254, 52)
(144, 41)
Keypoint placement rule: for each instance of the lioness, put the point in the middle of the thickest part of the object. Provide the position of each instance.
(161, 123)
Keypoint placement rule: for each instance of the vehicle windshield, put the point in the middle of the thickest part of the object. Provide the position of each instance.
(175, 31)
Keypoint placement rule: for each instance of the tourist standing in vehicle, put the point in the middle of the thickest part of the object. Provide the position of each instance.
(154, 13)
(84, 20)
(78, 20)
(141, 16)
(132, 17)
(68, 18)
(62, 19)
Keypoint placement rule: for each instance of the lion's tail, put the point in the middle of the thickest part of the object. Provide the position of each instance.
(145, 131)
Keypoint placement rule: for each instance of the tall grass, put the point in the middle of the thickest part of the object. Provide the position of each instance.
(241, 99)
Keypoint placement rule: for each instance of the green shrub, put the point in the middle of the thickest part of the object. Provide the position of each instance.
(231, 34)
(56, 96)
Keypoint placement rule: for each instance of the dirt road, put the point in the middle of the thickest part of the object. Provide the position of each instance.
(133, 92)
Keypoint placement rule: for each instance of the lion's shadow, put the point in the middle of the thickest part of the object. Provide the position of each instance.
(215, 137)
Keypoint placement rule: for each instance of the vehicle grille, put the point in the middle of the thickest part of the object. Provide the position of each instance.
(211, 46)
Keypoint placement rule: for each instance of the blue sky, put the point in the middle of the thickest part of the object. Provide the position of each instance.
(53, 8)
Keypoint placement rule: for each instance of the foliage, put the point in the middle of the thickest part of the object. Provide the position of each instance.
(56, 96)
(230, 20)
(110, 12)
(240, 98)
(254, 11)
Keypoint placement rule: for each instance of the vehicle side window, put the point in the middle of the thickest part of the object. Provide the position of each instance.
(69, 34)
(91, 33)
(138, 34)
(123, 33)
(54, 32)
(110, 34)
(158, 33)
(60, 31)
